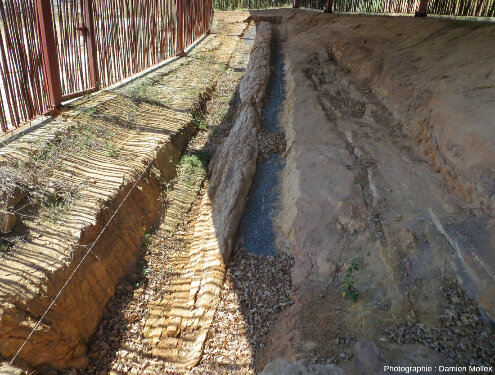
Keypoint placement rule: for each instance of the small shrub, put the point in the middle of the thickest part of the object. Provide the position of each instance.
(147, 239)
(199, 121)
(195, 163)
(348, 289)
(4, 246)
(111, 149)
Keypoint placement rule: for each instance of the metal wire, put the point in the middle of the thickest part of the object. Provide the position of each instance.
(79, 264)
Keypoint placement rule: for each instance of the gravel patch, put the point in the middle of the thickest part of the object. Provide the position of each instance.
(461, 333)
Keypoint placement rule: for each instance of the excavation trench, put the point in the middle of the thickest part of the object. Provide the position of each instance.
(183, 262)
(94, 182)
(256, 230)
(355, 231)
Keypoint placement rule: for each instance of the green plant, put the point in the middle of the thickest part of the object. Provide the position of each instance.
(41, 152)
(143, 269)
(202, 124)
(91, 112)
(195, 163)
(199, 121)
(54, 207)
(192, 91)
(147, 239)
(348, 289)
(139, 92)
(51, 204)
(111, 149)
(192, 165)
(4, 246)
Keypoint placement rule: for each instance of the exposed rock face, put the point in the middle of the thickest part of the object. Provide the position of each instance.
(234, 163)
(371, 358)
(280, 366)
(358, 186)
(255, 81)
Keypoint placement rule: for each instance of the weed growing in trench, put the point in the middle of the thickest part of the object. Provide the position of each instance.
(195, 164)
(348, 289)
(199, 121)
(111, 149)
(147, 239)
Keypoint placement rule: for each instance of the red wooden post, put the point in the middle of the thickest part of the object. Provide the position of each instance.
(329, 7)
(180, 27)
(91, 44)
(296, 4)
(51, 66)
(423, 5)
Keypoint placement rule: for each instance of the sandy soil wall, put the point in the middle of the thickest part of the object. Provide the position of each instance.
(102, 146)
(62, 337)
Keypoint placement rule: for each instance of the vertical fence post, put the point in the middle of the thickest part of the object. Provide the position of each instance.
(209, 15)
(50, 56)
(423, 5)
(180, 27)
(329, 7)
(91, 44)
(296, 4)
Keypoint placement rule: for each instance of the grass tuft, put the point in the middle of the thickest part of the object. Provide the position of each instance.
(348, 289)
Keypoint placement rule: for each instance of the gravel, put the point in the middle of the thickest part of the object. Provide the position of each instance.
(461, 333)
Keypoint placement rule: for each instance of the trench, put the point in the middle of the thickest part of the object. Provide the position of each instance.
(402, 248)
(253, 301)
(136, 329)
(256, 232)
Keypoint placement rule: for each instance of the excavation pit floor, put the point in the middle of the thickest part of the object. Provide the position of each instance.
(256, 229)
